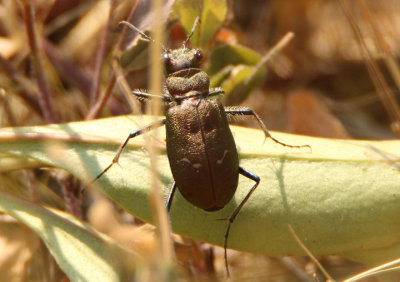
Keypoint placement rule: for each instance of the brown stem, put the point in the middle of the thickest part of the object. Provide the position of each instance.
(100, 57)
(71, 192)
(102, 101)
(37, 59)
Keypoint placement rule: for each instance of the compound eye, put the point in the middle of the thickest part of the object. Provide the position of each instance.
(167, 59)
(198, 54)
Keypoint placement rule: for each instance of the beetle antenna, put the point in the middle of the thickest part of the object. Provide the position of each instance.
(144, 35)
(196, 22)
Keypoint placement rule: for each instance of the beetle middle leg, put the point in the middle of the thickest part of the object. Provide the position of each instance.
(138, 132)
(233, 216)
(244, 111)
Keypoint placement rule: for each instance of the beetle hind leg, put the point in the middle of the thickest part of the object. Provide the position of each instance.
(233, 216)
(171, 196)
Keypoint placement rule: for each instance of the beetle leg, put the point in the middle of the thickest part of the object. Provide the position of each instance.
(233, 216)
(138, 132)
(215, 92)
(231, 111)
(146, 96)
(171, 196)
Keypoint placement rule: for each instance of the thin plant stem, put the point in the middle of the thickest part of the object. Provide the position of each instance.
(159, 210)
(312, 257)
(37, 59)
(100, 57)
(102, 101)
(374, 72)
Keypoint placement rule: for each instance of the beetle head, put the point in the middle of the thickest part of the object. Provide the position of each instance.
(177, 59)
(183, 58)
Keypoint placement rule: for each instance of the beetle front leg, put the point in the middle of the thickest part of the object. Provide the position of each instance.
(138, 132)
(214, 92)
(146, 96)
(244, 111)
(233, 216)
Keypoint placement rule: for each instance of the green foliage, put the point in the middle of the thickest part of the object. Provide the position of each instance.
(212, 14)
(230, 66)
(81, 252)
(330, 196)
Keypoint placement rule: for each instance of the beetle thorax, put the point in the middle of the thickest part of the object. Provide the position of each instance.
(188, 83)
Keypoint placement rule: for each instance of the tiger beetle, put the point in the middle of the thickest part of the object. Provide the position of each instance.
(200, 146)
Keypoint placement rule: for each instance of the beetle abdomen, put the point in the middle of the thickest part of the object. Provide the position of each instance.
(202, 153)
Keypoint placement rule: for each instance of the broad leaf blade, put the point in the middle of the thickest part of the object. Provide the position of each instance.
(212, 17)
(238, 86)
(231, 54)
(82, 253)
(341, 198)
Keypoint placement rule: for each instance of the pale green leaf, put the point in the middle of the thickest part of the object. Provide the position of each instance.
(341, 198)
(231, 67)
(82, 253)
(230, 54)
(237, 87)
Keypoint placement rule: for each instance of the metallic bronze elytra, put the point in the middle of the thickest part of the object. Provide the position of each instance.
(203, 156)
(200, 147)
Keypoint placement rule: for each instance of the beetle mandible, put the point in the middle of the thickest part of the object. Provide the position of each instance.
(200, 146)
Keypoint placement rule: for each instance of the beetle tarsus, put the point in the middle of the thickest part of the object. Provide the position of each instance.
(228, 274)
(233, 216)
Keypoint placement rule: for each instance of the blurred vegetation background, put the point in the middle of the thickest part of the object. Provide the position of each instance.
(69, 60)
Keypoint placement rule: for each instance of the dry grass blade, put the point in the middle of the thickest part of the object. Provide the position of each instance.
(272, 52)
(388, 56)
(37, 57)
(158, 209)
(105, 95)
(390, 266)
(376, 75)
(313, 258)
